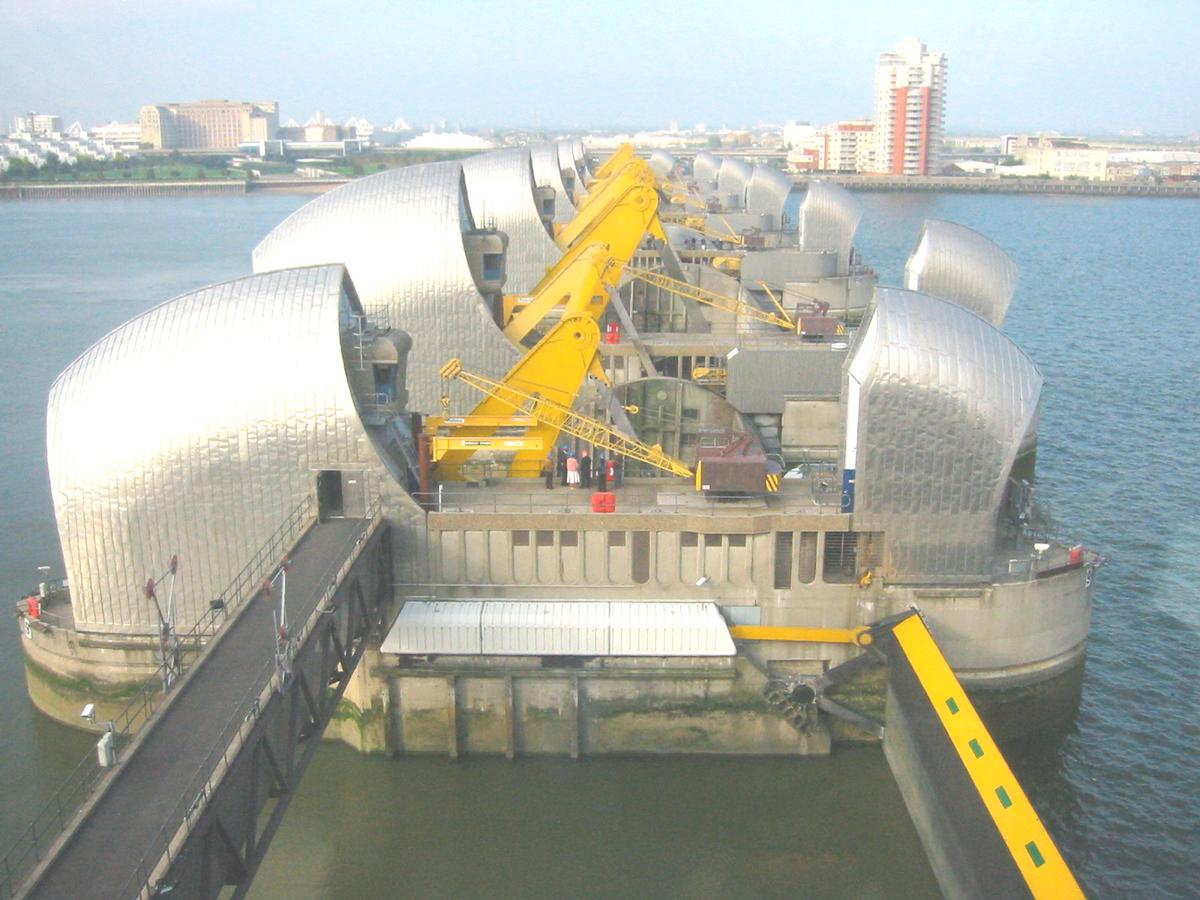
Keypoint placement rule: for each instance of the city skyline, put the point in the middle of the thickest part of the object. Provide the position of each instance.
(1068, 67)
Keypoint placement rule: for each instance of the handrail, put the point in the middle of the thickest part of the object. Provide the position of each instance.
(179, 823)
(27, 850)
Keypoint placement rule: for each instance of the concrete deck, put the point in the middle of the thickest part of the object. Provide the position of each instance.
(639, 495)
(127, 822)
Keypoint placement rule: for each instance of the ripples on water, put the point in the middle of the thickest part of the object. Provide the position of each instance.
(1107, 304)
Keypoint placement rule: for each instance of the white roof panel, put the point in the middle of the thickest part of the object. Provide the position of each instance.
(559, 628)
(439, 626)
(669, 629)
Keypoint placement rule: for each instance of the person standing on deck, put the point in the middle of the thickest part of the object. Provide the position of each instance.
(601, 474)
(562, 465)
(548, 471)
(572, 471)
(614, 471)
(585, 469)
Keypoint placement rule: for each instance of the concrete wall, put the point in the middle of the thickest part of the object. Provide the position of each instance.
(512, 706)
(65, 669)
(777, 267)
(1009, 633)
(812, 428)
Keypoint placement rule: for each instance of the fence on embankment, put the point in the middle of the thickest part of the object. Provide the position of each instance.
(968, 185)
(110, 189)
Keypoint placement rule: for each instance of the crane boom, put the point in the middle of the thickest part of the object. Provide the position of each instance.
(563, 418)
(700, 223)
(711, 298)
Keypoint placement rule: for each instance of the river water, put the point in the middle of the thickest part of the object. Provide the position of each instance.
(1107, 304)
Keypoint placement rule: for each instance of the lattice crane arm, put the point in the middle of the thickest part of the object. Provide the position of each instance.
(565, 419)
(700, 223)
(712, 298)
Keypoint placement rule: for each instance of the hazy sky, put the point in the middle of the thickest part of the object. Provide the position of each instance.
(1096, 67)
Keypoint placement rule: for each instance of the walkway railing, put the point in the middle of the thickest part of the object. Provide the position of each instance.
(31, 845)
(819, 486)
(194, 796)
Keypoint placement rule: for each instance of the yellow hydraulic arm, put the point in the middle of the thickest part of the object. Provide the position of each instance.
(621, 223)
(712, 298)
(614, 163)
(554, 369)
(579, 282)
(606, 196)
(560, 417)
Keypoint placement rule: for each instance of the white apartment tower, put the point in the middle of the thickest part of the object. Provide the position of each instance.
(910, 110)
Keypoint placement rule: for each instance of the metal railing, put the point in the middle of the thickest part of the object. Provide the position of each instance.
(195, 795)
(29, 848)
(823, 492)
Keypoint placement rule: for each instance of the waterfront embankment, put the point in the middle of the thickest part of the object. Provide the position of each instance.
(963, 185)
(93, 190)
(873, 183)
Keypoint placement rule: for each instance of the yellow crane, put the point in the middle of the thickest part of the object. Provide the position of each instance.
(714, 299)
(560, 417)
(555, 367)
(626, 210)
(701, 224)
(617, 161)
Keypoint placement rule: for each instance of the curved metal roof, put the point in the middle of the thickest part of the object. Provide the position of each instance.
(945, 400)
(767, 192)
(194, 429)
(662, 163)
(400, 235)
(704, 170)
(547, 172)
(733, 176)
(829, 217)
(960, 264)
(567, 164)
(579, 154)
(500, 193)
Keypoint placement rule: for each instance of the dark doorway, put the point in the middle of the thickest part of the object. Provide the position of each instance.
(329, 496)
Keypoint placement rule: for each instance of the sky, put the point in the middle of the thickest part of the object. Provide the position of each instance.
(1094, 67)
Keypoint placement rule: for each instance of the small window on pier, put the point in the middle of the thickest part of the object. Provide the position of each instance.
(841, 557)
(545, 538)
(806, 566)
(520, 538)
(616, 539)
(641, 557)
(737, 540)
(783, 560)
(568, 539)
(689, 539)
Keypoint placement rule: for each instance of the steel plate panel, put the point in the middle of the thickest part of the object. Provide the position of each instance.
(946, 399)
(767, 193)
(959, 264)
(194, 429)
(829, 216)
(548, 173)
(400, 235)
(500, 192)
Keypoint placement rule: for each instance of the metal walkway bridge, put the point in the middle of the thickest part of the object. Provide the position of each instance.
(197, 796)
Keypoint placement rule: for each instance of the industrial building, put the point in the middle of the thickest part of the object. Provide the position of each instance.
(207, 124)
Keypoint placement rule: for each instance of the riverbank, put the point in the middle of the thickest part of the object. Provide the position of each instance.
(964, 185)
(199, 188)
(863, 183)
